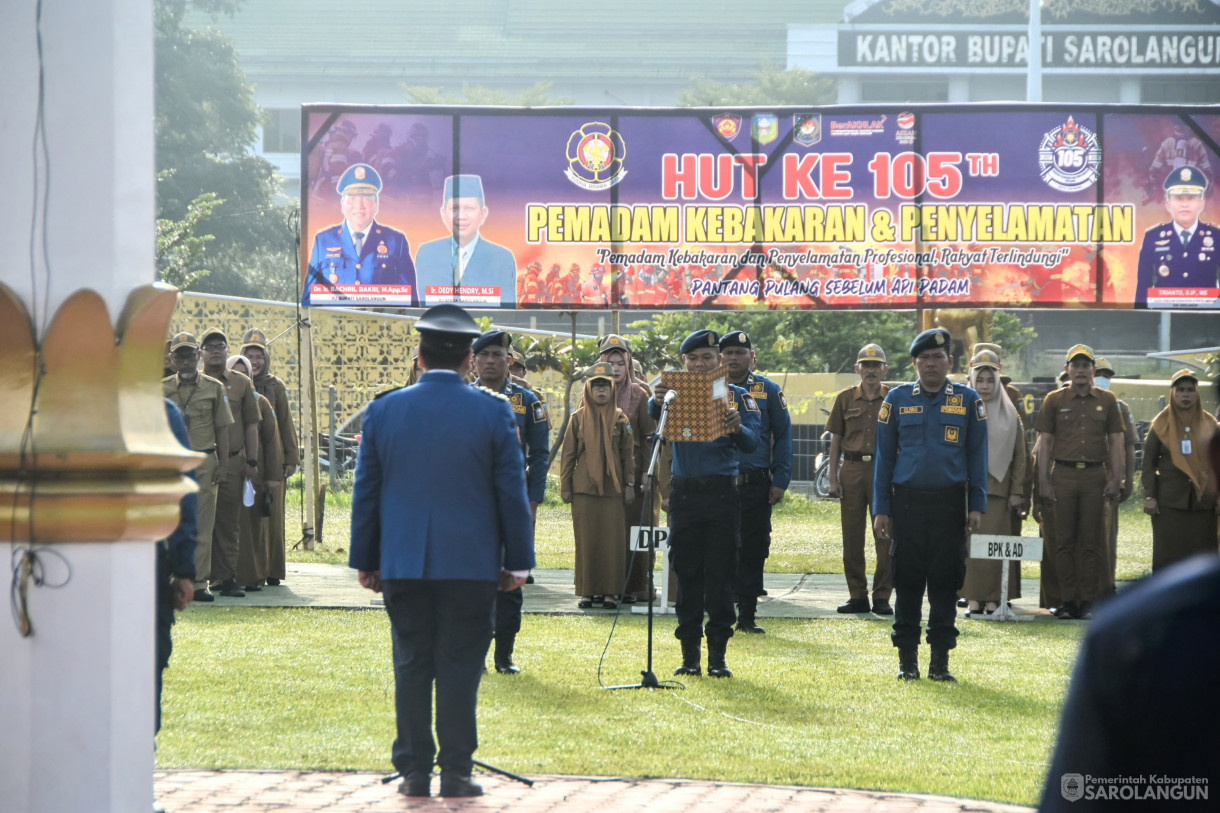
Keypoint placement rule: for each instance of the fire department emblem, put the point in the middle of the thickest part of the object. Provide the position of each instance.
(1069, 157)
(595, 156)
(727, 125)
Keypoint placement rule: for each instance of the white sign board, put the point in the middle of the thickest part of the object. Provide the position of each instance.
(643, 535)
(997, 546)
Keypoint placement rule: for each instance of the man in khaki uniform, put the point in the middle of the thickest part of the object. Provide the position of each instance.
(1102, 374)
(254, 347)
(853, 426)
(243, 436)
(1080, 431)
(205, 408)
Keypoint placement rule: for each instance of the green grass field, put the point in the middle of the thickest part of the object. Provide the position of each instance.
(811, 703)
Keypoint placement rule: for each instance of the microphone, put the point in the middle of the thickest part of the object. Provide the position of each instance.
(670, 397)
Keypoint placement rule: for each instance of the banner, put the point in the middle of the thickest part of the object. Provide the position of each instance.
(1011, 206)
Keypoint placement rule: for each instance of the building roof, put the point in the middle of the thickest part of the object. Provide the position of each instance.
(515, 41)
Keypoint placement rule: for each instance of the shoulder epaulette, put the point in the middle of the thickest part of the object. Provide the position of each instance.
(492, 392)
(386, 392)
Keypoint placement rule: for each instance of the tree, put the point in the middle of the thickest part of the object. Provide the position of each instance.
(771, 86)
(179, 249)
(206, 122)
(536, 95)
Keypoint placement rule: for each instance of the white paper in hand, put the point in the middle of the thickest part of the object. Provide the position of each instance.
(247, 494)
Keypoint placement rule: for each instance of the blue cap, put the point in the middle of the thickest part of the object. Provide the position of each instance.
(930, 340)
(447, 319)
(359, 179)
(464, 186)
(737, 338)
(1186, 180)
(700, 338)
(491, 338)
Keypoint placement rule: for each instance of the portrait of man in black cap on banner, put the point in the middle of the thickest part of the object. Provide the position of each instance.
(465, 266)
(1179, 264)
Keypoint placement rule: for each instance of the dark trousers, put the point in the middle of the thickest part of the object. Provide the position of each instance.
(928, 553)
(226, 533)
(507, 618)
(755, 537)
(704, 529)
(440, 630)
(165, 621)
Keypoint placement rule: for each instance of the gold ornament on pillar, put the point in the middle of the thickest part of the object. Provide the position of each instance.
(99, 462)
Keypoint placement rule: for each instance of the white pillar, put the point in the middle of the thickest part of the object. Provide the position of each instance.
(76, 715)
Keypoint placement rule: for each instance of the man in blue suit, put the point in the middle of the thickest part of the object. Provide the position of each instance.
(1183, 252)
(465, 266)
(360, 251)
(436, 552)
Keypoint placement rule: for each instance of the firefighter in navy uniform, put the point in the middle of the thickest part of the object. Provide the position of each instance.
(763, 477)
(929, 493)
(491, 357)
(705, 516)
(1183, 252)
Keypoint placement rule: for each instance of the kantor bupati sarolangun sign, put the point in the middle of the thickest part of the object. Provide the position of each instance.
(1009, 206)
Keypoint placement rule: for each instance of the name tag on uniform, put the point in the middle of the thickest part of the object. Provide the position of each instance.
(1186, 446)
(954, 410)
(910, 410)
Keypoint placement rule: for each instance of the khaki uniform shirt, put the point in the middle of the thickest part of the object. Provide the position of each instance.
(1081, 424)
(854, 418)
(244, 402)
(204, 405)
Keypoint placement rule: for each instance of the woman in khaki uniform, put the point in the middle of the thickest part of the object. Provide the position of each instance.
(632, 397)
(1007, 465)
(253, 560)
(1180, 488)
(598, 453)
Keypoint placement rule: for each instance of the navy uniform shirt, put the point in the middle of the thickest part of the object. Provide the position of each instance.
(1165, 263)
(931, 441)
(774, 451)
(534, 434)
(720, 456)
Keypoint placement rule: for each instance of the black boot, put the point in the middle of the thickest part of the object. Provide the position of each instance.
(908, 663)
(715, 657)
(690, 658)
(938, 667)
(504, 655)
(746, 607)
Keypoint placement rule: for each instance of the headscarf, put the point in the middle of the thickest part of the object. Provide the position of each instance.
(1170, 426)
(238, 358)
(627, 397)
(597, 438)
(1003, 424)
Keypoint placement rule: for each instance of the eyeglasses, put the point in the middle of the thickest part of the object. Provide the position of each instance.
(215, 346)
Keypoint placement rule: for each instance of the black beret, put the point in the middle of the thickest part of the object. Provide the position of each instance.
(700, 338)
(737, 338)
(932, 339)
(447, 319)
(493, 337)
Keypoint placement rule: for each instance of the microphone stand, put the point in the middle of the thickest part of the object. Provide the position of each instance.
(648, 678)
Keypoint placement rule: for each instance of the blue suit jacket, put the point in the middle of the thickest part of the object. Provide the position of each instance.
(1164, 263)
(490, 265)
(385, 259)
(440, 489)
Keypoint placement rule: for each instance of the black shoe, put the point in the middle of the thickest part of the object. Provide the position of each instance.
(855, 605)
(232, 589)
(1068, 610)
(1085, 610)
(961, 602)
(506, 667)
(748, 625)
(503, 655)
(908, 663)
(716, 666)
(747, 606)
(203, 595)
(273, 582)
(455, 785)
(938, 667)
(416, 783)
(882, 608)
(690, 659)
(252, 588)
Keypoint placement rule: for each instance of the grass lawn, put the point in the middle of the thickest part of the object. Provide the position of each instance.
(805, 537)
(811, 703)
